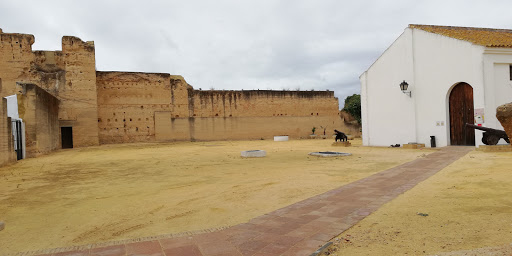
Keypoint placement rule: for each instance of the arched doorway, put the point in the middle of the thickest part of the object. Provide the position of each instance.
(461, 112)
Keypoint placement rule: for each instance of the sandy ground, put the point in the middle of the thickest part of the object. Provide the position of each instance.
(116, 192)
(469, 205)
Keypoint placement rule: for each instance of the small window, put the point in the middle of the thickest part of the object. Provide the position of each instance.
(510, 67)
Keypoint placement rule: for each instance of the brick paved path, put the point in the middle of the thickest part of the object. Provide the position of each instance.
(298, 229)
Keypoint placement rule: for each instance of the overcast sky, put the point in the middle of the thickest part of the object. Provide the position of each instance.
(237, 44)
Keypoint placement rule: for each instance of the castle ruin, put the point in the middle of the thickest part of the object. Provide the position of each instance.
(65, 102)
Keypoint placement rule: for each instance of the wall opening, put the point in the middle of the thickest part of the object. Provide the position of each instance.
(461, 112)
(18, 138)
(67, 137)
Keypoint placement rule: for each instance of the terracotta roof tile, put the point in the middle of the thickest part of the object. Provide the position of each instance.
(488, 37)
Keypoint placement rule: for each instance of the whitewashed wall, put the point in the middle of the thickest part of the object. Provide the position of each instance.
(440, 64)
(432, 64)
(498, 89)
(388, 115)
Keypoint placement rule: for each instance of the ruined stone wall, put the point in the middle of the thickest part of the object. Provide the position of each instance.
(352, 126)
(136, 107)
(225, 115)
(7, 153)
(16, 58)
(262, 103)
(256, 114)
(128, 101)
(40, 112)
(69, 75)
(241, 128)
(118, 107)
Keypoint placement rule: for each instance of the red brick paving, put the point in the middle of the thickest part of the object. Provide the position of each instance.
(113, 250)
(298, 229)
(73, 253)
(188, 250)
(144, 248)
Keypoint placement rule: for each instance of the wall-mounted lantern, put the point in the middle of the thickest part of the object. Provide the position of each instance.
(403, 86)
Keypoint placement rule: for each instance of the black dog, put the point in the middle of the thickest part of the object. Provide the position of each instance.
(340, 136)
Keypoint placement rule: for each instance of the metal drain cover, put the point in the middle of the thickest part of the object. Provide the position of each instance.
(253, 153)
(329, 154)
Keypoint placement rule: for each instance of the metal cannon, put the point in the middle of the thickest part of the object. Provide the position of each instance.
(490, 136)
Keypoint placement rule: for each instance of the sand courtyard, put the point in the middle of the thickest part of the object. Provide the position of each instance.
(117, 192)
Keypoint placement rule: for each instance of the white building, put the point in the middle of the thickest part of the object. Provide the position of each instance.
(456, 75)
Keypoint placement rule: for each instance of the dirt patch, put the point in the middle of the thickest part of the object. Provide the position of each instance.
(465, 206)
(116, 192)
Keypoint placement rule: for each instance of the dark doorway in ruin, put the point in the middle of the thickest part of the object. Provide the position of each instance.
(66, 134)
(461, 112)
(18, 140)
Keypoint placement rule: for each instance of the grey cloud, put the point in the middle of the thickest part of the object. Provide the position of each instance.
(229, 44)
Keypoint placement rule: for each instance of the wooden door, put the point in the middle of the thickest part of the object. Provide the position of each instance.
(461, 112)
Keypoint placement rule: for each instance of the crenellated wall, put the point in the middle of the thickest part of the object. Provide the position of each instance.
(255, 114)
(78, 96)
(262, 103)
(69, 75)
(119, 107)
(16, 59)
(128, 101)
(135, 107)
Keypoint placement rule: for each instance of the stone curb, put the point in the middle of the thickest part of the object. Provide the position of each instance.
(321, 249)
